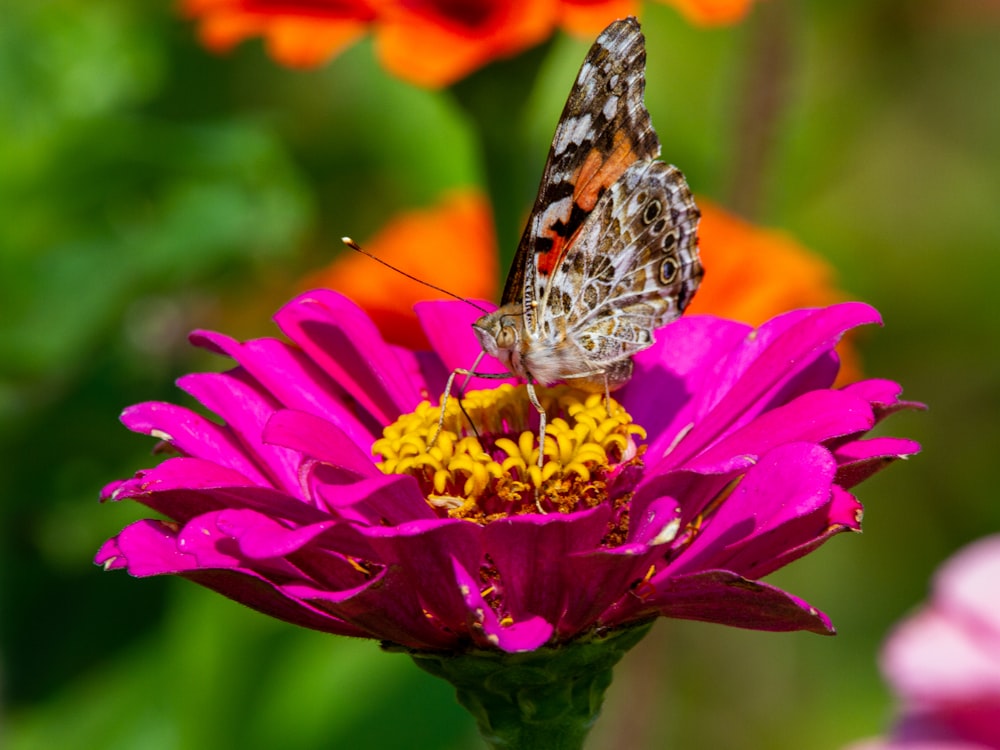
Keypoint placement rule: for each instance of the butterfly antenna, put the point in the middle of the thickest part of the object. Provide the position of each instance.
(355, 246)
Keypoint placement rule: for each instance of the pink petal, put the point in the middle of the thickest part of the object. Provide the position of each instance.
(534, 557)
(425, 369)
(605, 576)
(859, 459)
(672, 369)
(382, 500)
(486, 628)
(934, 658)
(883, 395)
(246, 410)
(319, 439)
(843, 513)
(904, 744)
(145, 548)
(813, 417)
(968, 586)
(950, 651)
(342, 340)
(260, 537)
(787, 483)
(431, 551)
(193, 435)
(386, 608)
(768, 361)
(724, 597)
(290, 377)
(182, 488)
(253, 591)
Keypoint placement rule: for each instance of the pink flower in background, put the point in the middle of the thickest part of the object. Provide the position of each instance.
(729, 456)
(944, 661)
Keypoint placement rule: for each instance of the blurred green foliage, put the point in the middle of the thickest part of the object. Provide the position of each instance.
(148, 188)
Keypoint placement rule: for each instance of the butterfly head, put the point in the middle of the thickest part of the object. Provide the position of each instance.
(499, 334)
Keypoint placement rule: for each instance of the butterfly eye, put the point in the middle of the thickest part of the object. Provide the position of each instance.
(506, 338)
(668, 271)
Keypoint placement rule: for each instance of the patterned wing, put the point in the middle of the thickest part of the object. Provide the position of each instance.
(633, 267)
(604, 129)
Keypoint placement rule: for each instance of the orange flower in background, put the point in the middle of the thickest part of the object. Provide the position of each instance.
(753, 274)
(712, 12)
(298, 33)
(586, 17)
(436, 43)
(451, 245)
(428, 42)
(431, 43)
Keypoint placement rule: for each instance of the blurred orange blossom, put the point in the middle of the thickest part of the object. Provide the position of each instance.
(431, 43)
(753, 273)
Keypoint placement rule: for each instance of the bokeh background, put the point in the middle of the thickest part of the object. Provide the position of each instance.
(148, 187)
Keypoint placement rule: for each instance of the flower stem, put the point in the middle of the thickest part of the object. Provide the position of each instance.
(547, 699)
(765, 94)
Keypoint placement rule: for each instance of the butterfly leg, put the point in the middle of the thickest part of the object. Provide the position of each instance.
(533, 397)
(447, 394)
(470, 373)
(444, 405)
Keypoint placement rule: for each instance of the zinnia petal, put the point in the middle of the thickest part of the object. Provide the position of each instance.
(442, 544)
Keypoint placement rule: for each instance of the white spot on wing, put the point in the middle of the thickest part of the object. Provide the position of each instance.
(610, 107)
(575, 130)
(556, 211)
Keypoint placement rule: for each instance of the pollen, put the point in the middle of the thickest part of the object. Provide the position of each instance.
(479, 460)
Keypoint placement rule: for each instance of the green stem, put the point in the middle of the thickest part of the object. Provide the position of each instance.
(547, 699)
(765, 93)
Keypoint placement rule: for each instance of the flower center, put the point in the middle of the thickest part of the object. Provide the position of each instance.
(483, 462)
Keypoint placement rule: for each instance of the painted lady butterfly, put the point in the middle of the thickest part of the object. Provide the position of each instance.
(610, 251)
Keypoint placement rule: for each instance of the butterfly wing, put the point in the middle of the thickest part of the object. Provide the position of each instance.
(632, 268)
(603, 130)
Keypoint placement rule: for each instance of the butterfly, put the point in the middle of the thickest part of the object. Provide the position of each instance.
(610, 250)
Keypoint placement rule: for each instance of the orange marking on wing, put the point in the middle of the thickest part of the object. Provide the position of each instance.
(584, 194)
(600, 171)
(547, 262)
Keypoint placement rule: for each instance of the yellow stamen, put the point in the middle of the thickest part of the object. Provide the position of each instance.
(489, 468)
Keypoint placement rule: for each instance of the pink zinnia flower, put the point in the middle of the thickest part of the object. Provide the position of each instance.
(944, 661)
(729, 456)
